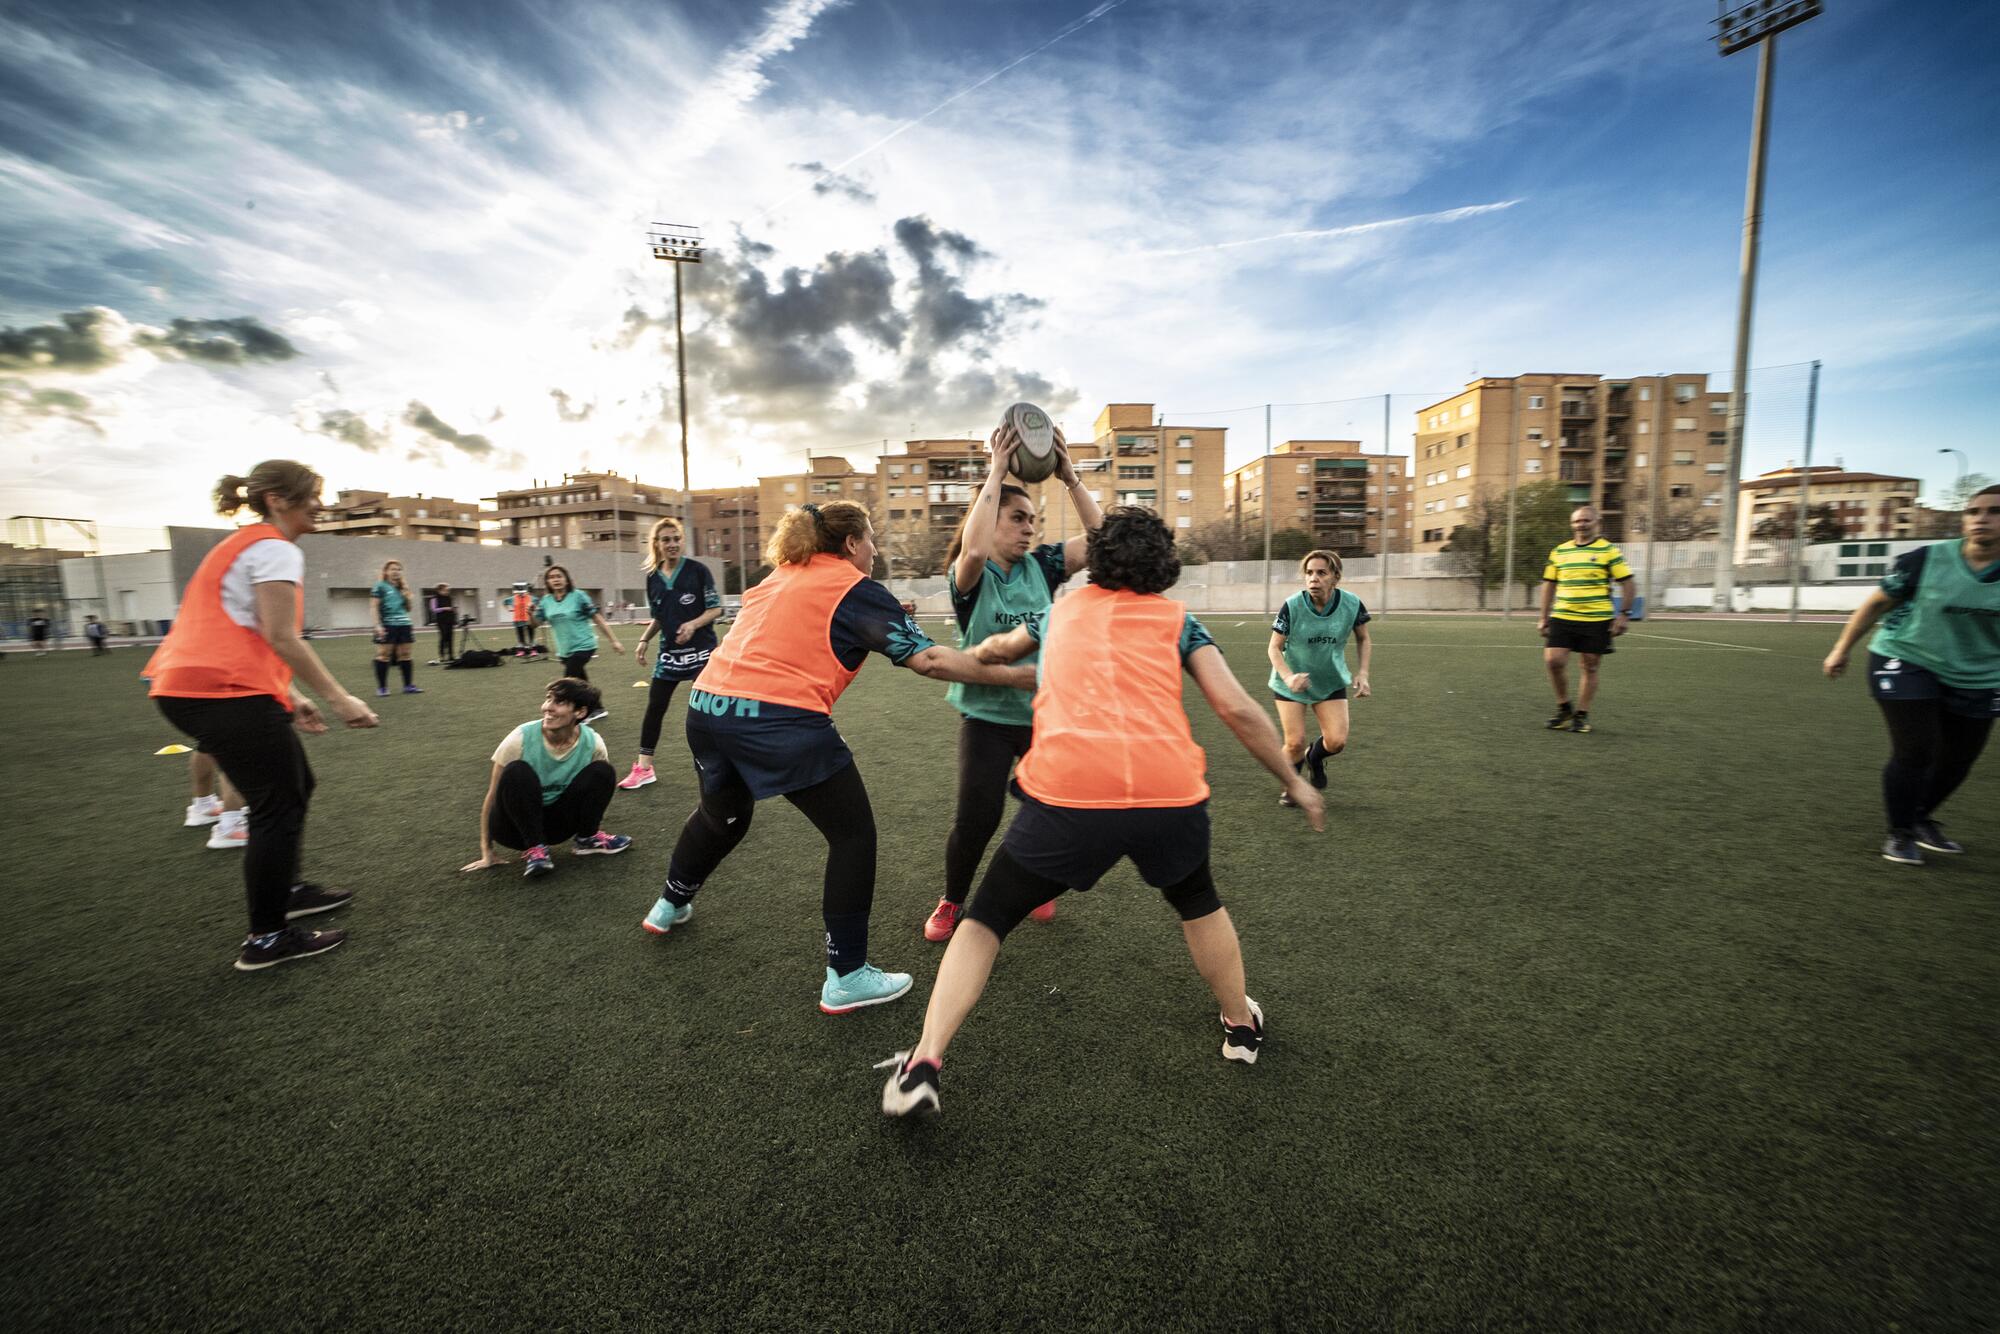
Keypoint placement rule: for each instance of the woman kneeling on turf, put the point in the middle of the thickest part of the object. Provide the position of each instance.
(1113, 772)
(552, 780)
(760, 725)
(1308, 653)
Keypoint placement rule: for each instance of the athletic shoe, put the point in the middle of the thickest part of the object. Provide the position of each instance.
(308, 899)
(1579, 722)
(1902, 849)
(202, 811)
(1241, 1044)
(866, 985)
(1932, 839)
(943, 921)
(1315, 770)
(381, 692)
(536, 861)
(599, 716)
(413, 690)
(665, 917)
(912, 1088)
(232, 830)
(599, 844)
(1045, 913)
(1560, 722)
(1285, 799)
(640, 776)
(294, 942)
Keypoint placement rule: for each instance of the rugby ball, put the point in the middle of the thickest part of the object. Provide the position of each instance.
(1035, 459)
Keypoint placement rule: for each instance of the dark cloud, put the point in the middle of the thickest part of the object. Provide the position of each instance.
(93, 339)
(568, 413)
(943, 314)
(421, 417)
(827, 181)
(352, 428)
(23, 401)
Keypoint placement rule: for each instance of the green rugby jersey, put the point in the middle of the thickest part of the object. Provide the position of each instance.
(569, 616)
(395, 607)
(999, 602)
(1583, 576)
(1946, 618)
(1316, 643)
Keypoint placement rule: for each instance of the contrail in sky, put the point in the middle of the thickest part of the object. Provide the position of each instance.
(967, 91)
(1356, 229)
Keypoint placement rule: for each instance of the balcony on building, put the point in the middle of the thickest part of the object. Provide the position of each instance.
(1578, 405)
(1579, 440)
(1132, 446)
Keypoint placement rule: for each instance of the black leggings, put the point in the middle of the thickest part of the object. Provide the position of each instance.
(573, 664)
(1011, 891)
(659, 694)
(520, 820)
(258, 750)
(1930, 752)
(445, 629)
(524, 633)
(986, 755)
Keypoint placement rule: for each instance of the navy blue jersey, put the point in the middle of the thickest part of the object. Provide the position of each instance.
(675, 597)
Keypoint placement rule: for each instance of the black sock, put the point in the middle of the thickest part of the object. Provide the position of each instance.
(405, 666)
(381, 675)
(846, 941)
(1316, 752)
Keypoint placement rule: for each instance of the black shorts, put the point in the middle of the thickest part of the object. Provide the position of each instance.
(1896, 680)
(769, 755)
(1581, 636)
(1075, 847)
(397, 634)
(1307, 704)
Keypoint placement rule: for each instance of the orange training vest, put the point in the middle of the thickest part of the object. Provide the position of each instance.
(521, 607)
(780, 650)
(206, 655)
(1110, 732)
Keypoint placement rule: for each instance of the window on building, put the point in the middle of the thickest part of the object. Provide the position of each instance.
(1532, 465)
(1717, 439)
(1464, 440)
(1683, 393)
(1536, 401)
(1183, 521)
(1465, 410)
(1680, 492)
(1645, 428)
(1683, 423)
(1715, 469)
(1684, 456)
(916, 470)
(1187, 497)
(1185, 467)
(1719, 407)
(1460, 501)
(791, 487)
(1645, 393)
(1878, 549)
(1535, 434)
(1464, 471)
(1185, 442)
(1711, 502)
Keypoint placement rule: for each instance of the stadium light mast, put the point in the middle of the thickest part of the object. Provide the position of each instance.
(678, 244)
(1740, 24)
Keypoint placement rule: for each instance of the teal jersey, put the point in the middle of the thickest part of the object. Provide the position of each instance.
(1316, 643)
(568, 618)
(1947, 616)
(556, 774)
(395, 607)
(999, 602)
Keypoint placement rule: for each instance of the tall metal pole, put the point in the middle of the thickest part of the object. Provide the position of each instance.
(1264, 488)
(1746, 300)
(1654, 484)
(1805, 488)
(681, 372)
(1382, 549)
(1513, 488)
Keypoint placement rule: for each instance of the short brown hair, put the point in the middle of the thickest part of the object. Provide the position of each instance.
(1332, 560)
(577, 694)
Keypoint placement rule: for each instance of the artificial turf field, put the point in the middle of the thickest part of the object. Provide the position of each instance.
(1628, 1030)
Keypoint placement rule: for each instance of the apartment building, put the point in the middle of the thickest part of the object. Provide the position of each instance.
(1350, 502)
(411, 518)
(586, 511)
(927, 488)
(1176, 471)
(722, 524)
(1869, 506)
(829, 477)
(1615, 442)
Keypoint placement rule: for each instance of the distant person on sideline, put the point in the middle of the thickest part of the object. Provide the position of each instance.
(1934, 670)
(523, 608)
(224, 675)
(552, 782)
(1577, 614)
(444, 615)
(394, 634)
(38, 632)
(95, 631)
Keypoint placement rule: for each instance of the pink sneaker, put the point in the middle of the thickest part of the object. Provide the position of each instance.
(943, 921)
(1045, 913)
(639, 777)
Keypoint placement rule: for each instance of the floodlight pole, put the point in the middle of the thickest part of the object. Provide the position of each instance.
(681, 376)
(678, 245)
(1805, 489)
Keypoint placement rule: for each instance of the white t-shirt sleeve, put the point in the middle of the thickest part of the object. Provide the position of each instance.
(272, 561)
(508, 750)
(600, 752)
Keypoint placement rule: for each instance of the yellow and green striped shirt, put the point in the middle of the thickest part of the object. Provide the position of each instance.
(1583, 576)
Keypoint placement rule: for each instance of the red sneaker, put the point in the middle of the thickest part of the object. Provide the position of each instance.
(943, 921)
(1045, 913)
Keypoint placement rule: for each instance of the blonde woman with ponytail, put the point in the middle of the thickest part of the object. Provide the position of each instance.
(680, 594)
(760, 724)
(394, 633)
(227, 675)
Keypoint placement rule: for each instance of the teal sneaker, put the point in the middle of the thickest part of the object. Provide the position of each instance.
(665, 917)
(866, 985)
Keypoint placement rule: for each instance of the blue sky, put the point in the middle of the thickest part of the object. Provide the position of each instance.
(405, 242)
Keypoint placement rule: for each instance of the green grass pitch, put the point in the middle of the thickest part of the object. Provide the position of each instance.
(1627, 1030)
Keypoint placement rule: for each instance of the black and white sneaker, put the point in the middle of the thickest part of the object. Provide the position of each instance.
(1560, 723)
(308, 899)
(1242, 1043)
(599, 716)
(1932, 839)
(1902, 849)
(294, 942)
(911, 1088)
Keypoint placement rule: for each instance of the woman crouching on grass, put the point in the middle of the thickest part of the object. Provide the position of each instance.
(1308, 653)
(552, 780)
(1113, 772)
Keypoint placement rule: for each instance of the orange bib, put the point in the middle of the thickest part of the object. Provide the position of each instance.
(780, 650)
(206, 655)
(1110, 732)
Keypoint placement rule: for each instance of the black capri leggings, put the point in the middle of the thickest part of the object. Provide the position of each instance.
(258, 750)
(659, 694)
(573, 664)
(1931, 750)
(837, 807)
(1010, 892)
(520, 820)
(986, 755)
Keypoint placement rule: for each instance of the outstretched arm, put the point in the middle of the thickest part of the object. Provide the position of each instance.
(1872, 609)
(1232, 704)
(1007, 646)
(486, 853)
(949, 664)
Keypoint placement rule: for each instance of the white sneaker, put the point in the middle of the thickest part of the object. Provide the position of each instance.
(232, 830)
(202, 811)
